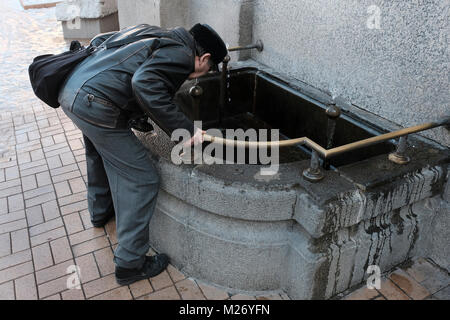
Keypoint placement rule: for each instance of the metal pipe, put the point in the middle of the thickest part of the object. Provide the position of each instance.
(322, 151)
(258, 45)
(313, 173)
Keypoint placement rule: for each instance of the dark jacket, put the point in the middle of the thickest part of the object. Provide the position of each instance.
(112, 85)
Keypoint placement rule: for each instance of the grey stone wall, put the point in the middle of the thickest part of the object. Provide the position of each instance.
(399, 71)
(232, 19)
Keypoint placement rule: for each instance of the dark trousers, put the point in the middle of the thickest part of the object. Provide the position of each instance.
(121, 177)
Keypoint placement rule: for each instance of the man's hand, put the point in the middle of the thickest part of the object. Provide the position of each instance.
(196, 139)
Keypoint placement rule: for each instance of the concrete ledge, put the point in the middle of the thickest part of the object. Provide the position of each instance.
(244, 255)
(85, 9)
(89, 28)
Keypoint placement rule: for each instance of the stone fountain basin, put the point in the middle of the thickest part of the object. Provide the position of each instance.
(229, 226)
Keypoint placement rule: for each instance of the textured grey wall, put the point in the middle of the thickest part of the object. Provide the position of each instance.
(399, 71)
(232, 19)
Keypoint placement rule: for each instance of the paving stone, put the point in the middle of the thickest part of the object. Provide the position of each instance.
(33, 135)
(86, 235)
(40, 199)
(23, 157)
(34, 170)
(391, 292)
(77, 185)
(58, 138)
(37, 192)
(42, 256)
(99, 286)
(73, 223)
(3, 206)
(13, 226)
(175, 274)
(20, 240)
(7, 291)
(50, 210)
(57, 271)
(48, 236)
(122, 293)
(15, 202)
(29, 183)
(86, 218)
(16, 271)
(43, 178)
(76, 144)
(141, 288)
(21, 138)
(61, 250)
(47, 141)
(46, 226)
(411, 287)
(74, 198)
(54, 162)
(34, 215)
(62, 189)
(72, 294)
(436, 281)
(74, 207)
(161, 281)
(13, 216)
(37, 155)
(57, 146)
(64, 169)
(15, 259)
(169, 293)
(26, 288)
(104, 258)
(90, 246)
(33, 164)
(10, 191)
(88, 268)
(213, 293)
(57, 151)
(67, 158)
(12, 173)
(5, 244)
(443, 294)
(53, 297)
(52, 287)
(363, 293)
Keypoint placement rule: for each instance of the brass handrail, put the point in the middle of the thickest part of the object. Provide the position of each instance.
(324, 153)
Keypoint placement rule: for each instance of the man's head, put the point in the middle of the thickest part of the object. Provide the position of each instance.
(210, 49)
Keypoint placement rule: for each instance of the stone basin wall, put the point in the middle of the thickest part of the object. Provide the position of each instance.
(226, 225)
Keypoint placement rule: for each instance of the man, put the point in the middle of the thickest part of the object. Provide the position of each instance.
(104, 96)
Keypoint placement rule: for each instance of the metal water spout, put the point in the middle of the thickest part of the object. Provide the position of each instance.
(333, 113)
(258, 46)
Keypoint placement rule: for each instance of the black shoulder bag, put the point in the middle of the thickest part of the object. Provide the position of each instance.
(49, 71)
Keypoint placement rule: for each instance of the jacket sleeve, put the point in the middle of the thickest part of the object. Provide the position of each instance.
(100, 38)
(155, 83)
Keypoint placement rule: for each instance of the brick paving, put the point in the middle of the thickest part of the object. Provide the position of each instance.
(45, 227)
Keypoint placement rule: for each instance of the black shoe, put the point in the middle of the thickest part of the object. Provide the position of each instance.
(153, 266)
(101, 223)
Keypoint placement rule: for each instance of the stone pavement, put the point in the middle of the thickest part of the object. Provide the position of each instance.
(44, 223)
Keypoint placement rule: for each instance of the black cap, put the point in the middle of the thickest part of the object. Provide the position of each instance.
(210, 40)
